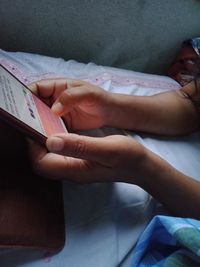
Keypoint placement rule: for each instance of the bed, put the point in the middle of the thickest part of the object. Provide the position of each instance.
(103, 221)
(102, 216)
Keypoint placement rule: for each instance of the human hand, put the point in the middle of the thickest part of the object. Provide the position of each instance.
(85, 159)
(83, 106)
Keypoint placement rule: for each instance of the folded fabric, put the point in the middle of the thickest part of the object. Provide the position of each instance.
(169, 241)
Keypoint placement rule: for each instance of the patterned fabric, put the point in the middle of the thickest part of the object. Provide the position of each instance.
(196, 45)
(169, 242)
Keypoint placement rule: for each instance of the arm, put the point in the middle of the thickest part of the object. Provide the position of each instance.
(85, 106)
(117, 158)
(179, 193)
(169, 113)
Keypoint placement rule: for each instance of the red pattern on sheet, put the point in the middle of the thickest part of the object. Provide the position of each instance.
(136, 81)
(26, 78)
(99, 79)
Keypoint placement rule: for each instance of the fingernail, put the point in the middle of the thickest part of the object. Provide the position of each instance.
(57, 108)
(55, 144)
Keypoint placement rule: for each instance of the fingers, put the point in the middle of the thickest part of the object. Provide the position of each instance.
(46, 87)
(71, 97)
(36, 151)
(53, 166)
(49, 90)
(102, 150)
(76, 93)
(33, 88)
(86, 159)
(52, 87)
(58, 167)
(75, 146)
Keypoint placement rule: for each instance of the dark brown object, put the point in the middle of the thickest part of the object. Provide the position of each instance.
(31, 207)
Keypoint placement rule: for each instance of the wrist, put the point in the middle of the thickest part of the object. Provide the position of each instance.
(145, 169)
(127, 112)
(137, 163)
(116, 115)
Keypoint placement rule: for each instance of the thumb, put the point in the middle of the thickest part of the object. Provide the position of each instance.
(100, 149)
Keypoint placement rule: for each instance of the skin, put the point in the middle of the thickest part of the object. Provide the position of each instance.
(85, 159)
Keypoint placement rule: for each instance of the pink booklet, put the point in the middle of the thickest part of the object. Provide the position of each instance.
(23, 110)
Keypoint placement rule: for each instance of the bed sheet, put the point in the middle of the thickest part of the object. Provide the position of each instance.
(103, 221)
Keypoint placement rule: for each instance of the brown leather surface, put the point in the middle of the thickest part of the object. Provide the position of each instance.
(31, 207)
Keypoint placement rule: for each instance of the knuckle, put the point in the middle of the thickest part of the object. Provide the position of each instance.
(80, 148)
(64, 97)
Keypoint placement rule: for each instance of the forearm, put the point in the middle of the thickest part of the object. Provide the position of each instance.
(179, 193)
(168, 113)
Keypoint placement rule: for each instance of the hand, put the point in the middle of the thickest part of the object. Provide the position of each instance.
(117, 158)
(87, 159)
(83, 106)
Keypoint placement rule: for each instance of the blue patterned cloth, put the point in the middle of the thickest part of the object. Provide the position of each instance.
(169, 241)
(196, 45)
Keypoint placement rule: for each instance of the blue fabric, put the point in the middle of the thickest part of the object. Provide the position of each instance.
(169, 241)
(196, 45)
